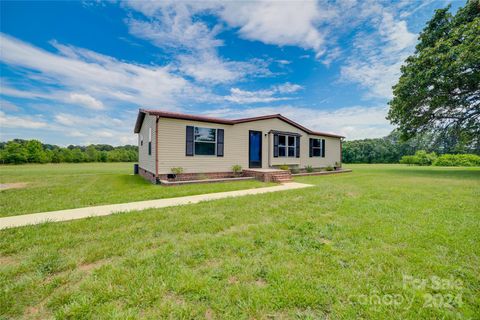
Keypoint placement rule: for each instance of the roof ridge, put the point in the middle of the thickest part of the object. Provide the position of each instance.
(186, 116)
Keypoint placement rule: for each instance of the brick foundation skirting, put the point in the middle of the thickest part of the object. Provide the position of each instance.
(198, 176)
(147, 175)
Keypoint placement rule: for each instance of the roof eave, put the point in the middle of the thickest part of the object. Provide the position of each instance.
(138, 123)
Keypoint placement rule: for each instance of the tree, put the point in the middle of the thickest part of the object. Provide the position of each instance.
(35, 152)
(15, 153)
(439, 87)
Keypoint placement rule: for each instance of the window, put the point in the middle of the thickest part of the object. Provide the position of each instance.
(316, 146)
(149, 141)
(286, 146)
(205, 141)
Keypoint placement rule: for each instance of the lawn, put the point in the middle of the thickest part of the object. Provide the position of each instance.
(382, 242)
(65, 186)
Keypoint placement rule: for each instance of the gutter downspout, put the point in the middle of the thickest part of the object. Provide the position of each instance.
(156, 148)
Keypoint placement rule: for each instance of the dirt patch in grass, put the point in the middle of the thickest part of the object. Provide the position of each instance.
(5, 260)
(261, 283)
(232, 280)
(91, 266)
(16, 185)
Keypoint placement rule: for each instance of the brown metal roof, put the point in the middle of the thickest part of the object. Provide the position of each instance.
(183, 116)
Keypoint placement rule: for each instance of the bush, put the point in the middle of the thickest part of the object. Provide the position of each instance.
(408, 160)
(295, 170)
(309, 169)
(284, 167)
(458, 160)
(425, 159)
(237, 169)
(177, 170)
(421, 158)
(329, 168)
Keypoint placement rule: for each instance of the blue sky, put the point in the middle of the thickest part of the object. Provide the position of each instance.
(77, 72)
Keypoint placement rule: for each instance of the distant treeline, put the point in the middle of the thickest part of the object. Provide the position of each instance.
(391, 149)
(20, 151)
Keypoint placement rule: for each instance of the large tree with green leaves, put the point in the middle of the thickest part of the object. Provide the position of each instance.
(439, 87)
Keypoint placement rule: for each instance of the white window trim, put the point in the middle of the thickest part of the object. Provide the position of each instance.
(287, 146)
(214, 142)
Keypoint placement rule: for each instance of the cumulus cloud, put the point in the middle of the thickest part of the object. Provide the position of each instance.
(86, 100)
(292, 23)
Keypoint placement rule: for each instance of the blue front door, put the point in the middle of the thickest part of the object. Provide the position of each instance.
(255, 149)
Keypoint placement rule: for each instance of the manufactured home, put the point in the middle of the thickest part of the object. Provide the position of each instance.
(208, 146)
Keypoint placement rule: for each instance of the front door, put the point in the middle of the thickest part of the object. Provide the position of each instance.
(255, 149)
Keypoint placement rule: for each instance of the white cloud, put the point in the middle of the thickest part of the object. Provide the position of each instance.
(262, 96)
(292, 23)
(172, 25)
(8, 106)
(208, 67)
(10, 121)
(86, 100)
(331, 56)
(377, 57)
(80, 70)
(353, 122)
(288, 88)
(243, 96)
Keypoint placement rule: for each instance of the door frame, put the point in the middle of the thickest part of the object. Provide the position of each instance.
(249, 149)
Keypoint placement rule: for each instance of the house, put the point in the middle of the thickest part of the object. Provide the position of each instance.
(211, 146)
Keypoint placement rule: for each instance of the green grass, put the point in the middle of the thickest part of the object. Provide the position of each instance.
(323, 252)
(65, 186)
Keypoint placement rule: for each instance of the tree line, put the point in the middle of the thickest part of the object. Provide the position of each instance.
(392, 148)
(20, 151)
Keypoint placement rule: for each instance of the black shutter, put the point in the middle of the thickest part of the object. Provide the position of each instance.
(323, 148)
(297, 149)
(220, 143)
(189, 142)
(311, 148)
(275, 145)
(150, 148)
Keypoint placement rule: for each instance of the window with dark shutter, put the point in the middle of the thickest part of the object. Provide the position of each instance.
(316, 147)
(220, 142)
(297, 147)
(189, 141)
(275, 145)
(323, 148)
(149, 141)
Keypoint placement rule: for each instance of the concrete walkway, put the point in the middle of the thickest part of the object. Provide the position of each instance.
(73, 214)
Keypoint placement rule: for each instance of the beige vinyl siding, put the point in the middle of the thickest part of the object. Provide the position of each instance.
(145, 160)
(172, 136)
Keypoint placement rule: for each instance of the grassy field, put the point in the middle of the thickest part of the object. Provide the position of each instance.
(382, 242)
(65, 186)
